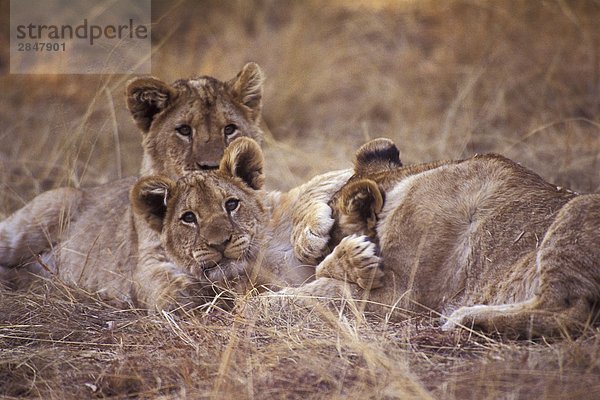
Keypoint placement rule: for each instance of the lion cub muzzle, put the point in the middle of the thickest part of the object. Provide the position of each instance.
(220, 246)
(218, 233)
(218, 252)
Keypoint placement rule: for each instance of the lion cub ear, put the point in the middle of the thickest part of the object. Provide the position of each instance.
(375, 156)
(247, 87)
(243, 158)
(361, 201)
(149, 199)
(146, 97)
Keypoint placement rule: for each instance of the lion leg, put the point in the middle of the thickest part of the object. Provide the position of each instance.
(322, 288)
(353, 260)
(37, 226)
(291, 302)
(312, 219)
(310, 234)
(568, 264)
(162, 286)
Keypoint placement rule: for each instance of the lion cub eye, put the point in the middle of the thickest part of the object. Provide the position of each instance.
(232, 204)
(230, 129)
(184, 130)
(188, 217)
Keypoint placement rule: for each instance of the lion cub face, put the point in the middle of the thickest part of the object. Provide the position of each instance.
(210, 222)
(188, 125)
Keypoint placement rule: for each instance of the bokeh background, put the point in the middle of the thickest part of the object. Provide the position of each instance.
(443, 79)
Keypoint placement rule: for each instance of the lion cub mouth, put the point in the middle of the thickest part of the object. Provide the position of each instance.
(226, 270)
(223, 263)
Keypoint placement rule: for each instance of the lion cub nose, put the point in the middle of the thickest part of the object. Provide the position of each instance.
(220, 246)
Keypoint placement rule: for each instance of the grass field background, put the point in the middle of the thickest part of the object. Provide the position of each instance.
(442, 79)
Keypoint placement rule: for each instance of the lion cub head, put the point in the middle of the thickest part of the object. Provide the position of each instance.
(210, 222)
(357, 205)
(188, 125)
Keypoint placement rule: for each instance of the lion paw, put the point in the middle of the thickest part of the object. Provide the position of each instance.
(311, 234)
(354, 259)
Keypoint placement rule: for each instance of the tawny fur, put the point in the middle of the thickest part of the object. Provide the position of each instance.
(520, 255)
(89, 217)
(110, 247)
(207, 106)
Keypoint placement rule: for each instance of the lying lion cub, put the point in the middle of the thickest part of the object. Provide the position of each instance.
(185, 126)
(483, 240)
(217, 228)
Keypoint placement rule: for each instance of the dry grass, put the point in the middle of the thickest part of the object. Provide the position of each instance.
(69, 345)
(442, 79)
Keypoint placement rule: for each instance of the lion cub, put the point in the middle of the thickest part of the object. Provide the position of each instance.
(217, 228)
(483, 241)
(187, 125)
